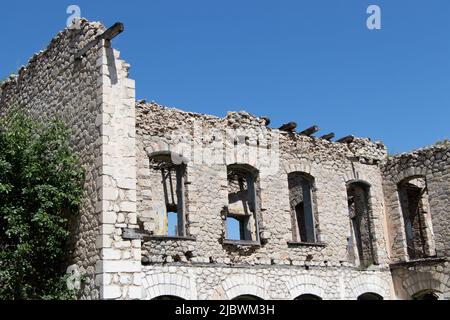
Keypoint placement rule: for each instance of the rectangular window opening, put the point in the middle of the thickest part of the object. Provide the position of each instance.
(302, 208)
(241, 220)
(413, 195)
(362, 237)
(169, 199)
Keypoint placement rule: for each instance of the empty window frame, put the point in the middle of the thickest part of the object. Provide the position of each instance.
(243, 208)
(358, 195)
(413, 195)
(302, 207)
(168, 196)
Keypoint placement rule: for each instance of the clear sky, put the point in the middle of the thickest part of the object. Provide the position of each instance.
(312, 61)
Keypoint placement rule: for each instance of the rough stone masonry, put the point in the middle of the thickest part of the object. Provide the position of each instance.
(180, 205)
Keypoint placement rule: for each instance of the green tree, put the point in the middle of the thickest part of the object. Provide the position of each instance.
(40, 189)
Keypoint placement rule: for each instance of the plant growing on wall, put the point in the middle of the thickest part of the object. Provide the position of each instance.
(5, 79)
(443, 142)
(40, 190)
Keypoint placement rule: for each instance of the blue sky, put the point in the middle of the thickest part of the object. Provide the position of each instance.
(313, 62)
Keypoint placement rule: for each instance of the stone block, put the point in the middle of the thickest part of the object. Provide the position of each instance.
(121, 266)
(110, 254)
(111, 292)
(109, 217)
(103, 241)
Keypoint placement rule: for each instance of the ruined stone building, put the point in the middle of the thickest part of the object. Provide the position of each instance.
(191, 206)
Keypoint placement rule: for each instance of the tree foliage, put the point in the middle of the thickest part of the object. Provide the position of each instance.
(40, 188)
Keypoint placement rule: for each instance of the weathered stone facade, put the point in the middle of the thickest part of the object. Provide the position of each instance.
(95, 99)
(163, 186)
(54, 85)
(416, 275)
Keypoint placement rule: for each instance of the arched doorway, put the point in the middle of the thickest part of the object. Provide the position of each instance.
(370, 296)
(426, 295)
(167, 298)
(247, 297)
(308, 297)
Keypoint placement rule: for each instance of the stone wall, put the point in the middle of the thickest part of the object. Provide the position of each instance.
(119, 270)
(332, 165)
(430, 276)
(429, 273)
(433, 164)
(54, 85)
(208, 282)
(95, 99)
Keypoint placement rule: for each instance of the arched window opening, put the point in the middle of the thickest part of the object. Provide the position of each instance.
(308, 297)
(426, 295)
(168, 196)
(302, 207)
(168, 298)
(362, 235)
(370, 296)
(243, 204)
(413, 195)
(247, 297)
